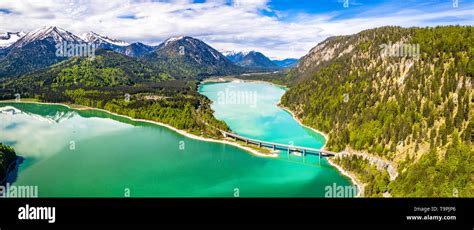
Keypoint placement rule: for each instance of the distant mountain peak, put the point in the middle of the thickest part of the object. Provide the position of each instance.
(47, 30)
(186, 56)
(174, 39)
(227, 52)
(250, 59)
(189, 44)
(57, 34)
(93, 37)
(234, 52)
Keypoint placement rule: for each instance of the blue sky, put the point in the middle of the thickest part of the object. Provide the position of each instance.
(278, 28)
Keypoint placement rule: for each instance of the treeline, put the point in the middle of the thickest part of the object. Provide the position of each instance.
(273, 77)
(448, 175)
(121, 85)
(376, 181)
(186, 112)
(7, 161)
(388, 105)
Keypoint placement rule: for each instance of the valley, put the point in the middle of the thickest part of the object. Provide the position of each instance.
(402, 126)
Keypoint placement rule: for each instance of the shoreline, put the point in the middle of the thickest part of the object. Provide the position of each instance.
(231, 79)
(182, 132)
(326, 137)
(351, 176)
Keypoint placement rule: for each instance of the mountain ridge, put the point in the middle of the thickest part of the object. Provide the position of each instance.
(251, 59)
(413, 110)
(255, 59)
(186, 57)
(37, 50)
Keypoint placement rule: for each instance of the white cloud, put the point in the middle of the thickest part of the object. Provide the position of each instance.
(238, 26)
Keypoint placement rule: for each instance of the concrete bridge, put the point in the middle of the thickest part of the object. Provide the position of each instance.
(276, 146)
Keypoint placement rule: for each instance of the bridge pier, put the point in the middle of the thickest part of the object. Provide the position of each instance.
(259, 144)
(246, 141)
(273, 147)
(304, 155)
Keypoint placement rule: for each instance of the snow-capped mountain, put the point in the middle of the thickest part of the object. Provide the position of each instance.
(35, 50)
(136, 49)
(51, 33)
(191, 45)
(184, 56)
(234, 56)
(181, 56)
(102, 40)
(228, 53)
(172, 39)
(195, 47)
(9, 38)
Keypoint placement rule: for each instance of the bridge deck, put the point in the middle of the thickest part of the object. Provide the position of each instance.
(274, 145)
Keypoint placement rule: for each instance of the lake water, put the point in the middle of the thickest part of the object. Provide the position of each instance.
(70, 153)
(250, 109)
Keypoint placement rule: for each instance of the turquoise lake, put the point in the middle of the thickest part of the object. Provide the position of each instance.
(255, 113)
(71, 153)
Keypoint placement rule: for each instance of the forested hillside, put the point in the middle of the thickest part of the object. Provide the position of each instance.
(33, 56)
(414, 109)
(7, 159)
(123, 85)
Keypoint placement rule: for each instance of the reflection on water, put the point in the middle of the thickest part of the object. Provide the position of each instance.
(40, 136)
(112, 155)
(13, 171)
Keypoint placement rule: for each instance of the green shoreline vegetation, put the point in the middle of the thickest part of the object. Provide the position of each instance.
(277, 77)
(218, 137)
(121, 85)
(416, 113)
(7, 161)
(130, 154)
